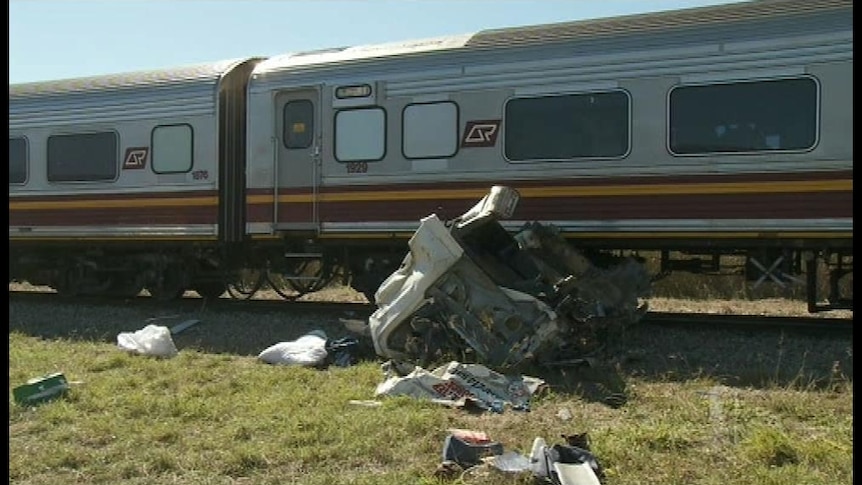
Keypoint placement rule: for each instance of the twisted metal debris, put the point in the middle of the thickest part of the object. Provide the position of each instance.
(469, 289)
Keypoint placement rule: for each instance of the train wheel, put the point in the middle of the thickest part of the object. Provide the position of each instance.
(66, 284)
(311, 276)
(210, 289)
(79, 281)
(276, 282)
(246, 284)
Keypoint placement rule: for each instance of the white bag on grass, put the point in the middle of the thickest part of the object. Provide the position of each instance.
(152, 340)
(308, 350)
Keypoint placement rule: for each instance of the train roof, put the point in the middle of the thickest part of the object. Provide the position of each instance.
(342, 54)
(695, 17)
(204, 73)
(183, 91)
(664, 21)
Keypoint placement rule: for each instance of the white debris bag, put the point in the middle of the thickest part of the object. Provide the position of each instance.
(154, 340)
(308, 350)
(456, 381)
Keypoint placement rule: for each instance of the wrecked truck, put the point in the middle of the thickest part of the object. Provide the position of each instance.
(469, 289)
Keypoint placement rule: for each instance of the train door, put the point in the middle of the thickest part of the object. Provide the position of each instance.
(297, 163)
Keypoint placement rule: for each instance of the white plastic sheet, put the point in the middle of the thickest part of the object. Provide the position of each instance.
(308, 350)
(153, 340)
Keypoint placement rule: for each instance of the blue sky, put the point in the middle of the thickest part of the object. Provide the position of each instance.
(55, 39)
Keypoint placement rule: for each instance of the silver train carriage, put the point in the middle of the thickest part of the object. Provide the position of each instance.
(713, 131)
(122, 182)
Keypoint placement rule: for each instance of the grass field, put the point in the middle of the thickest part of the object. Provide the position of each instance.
(687, 407)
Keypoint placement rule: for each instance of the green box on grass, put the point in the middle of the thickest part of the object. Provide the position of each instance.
(41, 389)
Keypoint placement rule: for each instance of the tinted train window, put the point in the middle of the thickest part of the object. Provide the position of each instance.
(17, 160)
(172, 148)
(567, 127)
(298, 124)
(430, 130)
(744, 117)
(360, 135)
(85, 157)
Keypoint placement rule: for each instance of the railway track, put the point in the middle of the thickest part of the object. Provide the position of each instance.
(820, 325)
(196, 304)
(359, 311)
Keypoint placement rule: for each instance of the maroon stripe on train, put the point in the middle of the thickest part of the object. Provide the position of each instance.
(115, 216)
(804, 205)
(113, 196)
(484, 185)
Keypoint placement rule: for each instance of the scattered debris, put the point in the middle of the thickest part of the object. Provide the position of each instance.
(313, 349)
(463, 384)
(308, 350)
(365, 403)
(357, 326)
(41, 389)
(342, 351)
(511, 462)
(567, 464)
(560, 464)
(564, 414)
(448, 470)
(152, 340)
(467, 448)
(469, 287)
(470, 435)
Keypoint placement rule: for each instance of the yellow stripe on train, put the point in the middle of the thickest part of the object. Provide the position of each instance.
(839, 185)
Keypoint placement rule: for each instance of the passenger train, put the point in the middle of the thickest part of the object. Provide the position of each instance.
(712, 131)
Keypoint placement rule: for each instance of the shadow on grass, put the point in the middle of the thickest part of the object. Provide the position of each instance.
(216, 332)
(596, 383)
(226, 334)
(735, 358)
(759, 359)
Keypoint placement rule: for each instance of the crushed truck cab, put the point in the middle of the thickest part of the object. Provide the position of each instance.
(469, 287)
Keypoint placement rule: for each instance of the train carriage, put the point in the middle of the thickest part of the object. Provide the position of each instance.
(115, 181)
(714, 131)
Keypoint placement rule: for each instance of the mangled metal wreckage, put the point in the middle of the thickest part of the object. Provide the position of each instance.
(470, 288)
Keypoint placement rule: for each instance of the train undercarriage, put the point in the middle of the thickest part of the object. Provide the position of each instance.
(823, 276)
(167, 272)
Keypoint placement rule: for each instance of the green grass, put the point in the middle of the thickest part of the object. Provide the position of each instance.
(224, 418)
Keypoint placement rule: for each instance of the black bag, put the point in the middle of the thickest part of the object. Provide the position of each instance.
(569, 454)
(468, 454)
(342, 351)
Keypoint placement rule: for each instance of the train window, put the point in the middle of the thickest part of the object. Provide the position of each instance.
(17, 160)
(430, 130)
(298, 124)
(751, 116)
(86, 157)
(360, 135)
(567, 127)
(173, 148)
